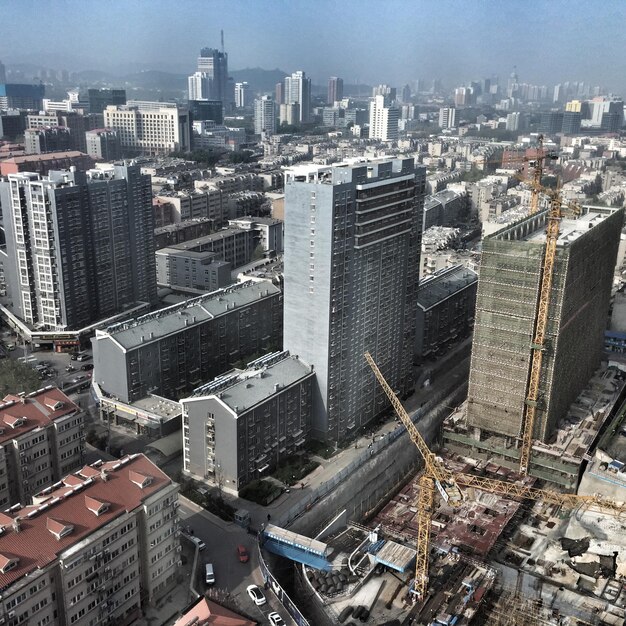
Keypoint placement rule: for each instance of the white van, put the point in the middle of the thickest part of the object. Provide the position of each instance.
(209, 575)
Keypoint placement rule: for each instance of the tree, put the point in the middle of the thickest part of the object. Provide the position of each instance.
(16, 377)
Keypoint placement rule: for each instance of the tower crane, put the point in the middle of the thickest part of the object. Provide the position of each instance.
(438, 476)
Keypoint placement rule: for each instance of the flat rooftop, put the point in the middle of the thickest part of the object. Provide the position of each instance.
(442, 284)
(206, 239)
(569, 229)
(244, 389)
(178, 317)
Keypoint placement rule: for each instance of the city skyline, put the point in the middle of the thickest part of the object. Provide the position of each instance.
(448, 40)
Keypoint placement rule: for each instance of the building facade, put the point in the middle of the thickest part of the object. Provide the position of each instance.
(18, 96)
(93, 548)
(505, 312)
(150, 127)
(42, 439)
(173, 350)
(103, 144)
(298, 91)
(79, 247)
(100, 99)
(210, 81)
(48, 139)
(447, 117)
(264, 116)
(335, 90)
(193, 270)
(242, 424)
(42, 164)
(352, 245)
(446, 301)
(383, 119)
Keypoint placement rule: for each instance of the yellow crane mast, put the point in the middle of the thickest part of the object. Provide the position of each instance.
(436, 474)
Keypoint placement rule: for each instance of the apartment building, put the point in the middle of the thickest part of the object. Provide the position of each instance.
(48, 139)
(268, 231)
(240, 425)
(173, 350)
(233, 245)
(41, 440)
(91, 549)
(192, 270)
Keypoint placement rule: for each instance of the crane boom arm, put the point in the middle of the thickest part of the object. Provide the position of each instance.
(433, 466)
(515, 490)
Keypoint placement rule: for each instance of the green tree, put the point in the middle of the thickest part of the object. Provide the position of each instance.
(16, 377)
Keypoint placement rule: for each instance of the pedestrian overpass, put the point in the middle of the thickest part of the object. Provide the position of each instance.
(295, 547)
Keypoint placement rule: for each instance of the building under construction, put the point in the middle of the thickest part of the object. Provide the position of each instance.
(506, 309)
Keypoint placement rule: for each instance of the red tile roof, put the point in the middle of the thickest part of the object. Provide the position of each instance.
(36, 547)
(36, 410)
(207, 613)
(49, 156)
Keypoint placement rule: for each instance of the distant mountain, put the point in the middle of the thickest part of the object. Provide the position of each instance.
(260, 80)
(156, 79)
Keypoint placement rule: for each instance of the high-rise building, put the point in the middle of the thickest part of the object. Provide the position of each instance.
(447, 117)
(100, 99)
(289, 114)
(203, 110)
(242, 95)
(18, 96)
(298, 91)
(514, 121)
(385, 90)
(335, 90)
(103, 144)
(571, 122)
(383, 119)
(77, 123)
(150, 127)
(551, 122)
(280, 93)
(210, 81)
(79, 247)
(264, 116)
(508, 285)
(47, 139)
(3, 73)
(352, 246)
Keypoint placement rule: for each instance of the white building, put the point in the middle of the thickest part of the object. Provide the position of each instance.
(264, 116)
(242, 95)
(447, 117)
(513, 121)
(298, 91)
(383, 119)
(150, 127)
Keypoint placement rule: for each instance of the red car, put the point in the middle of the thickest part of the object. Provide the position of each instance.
(242, 554)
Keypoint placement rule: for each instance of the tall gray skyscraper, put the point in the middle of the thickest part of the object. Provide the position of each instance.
(352, 247)
(78, 248)
(335, 90)
(298, 91)
(210, 81)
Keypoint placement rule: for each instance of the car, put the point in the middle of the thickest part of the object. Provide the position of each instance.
(83, 357)
(86, 367)
(70, 368)
(256, 595)
(199, 543)
(275, 619)
(74, 356)
(242, 554)
(78, 378)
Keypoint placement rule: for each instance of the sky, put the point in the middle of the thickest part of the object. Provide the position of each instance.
(370, 41)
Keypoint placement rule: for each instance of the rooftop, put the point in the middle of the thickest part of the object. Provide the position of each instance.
(442, 284)
(175, 318)
(220, 234)
(205, 613)
(21, 414)
(242, 389)
(66, 513)
(49, 156)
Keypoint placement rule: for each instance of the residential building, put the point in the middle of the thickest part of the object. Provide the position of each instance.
(12, 124)
(77, 123)
(100, 99)
(17, 96)
(447, 117)
(514, 121)
(233, 245)
(92, 548)
(264, 116)
(205, 271)
(335, 90)
(172, 234)
(173, 350)
(298, 91)
(41, 440)
(243, 95)
(571, 122)
(352, 240)
(388, 92)
(3, 73)
(208, 203)
(42, 164)
(150, 127)
(280, 93)
(48, 139)
(290, 114)
(510, 270)
(551, 122)
(103, 144)
(79, 246)
(444, 208)
(208, 612)
(244, 423)
(383, 119)
(268, 231)
(445, 310)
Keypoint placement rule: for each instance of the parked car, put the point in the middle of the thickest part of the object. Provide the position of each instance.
(87, 366)
(256, 595)
(83, 357)
(78, 378)
(275, 619)
(74, 356)
(242, 554)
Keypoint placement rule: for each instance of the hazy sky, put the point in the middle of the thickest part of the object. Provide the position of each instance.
(371, 40)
